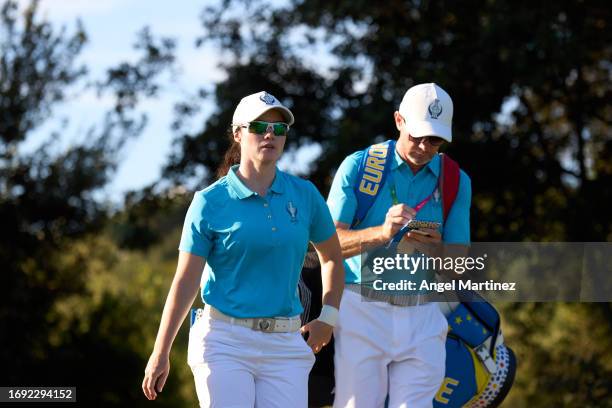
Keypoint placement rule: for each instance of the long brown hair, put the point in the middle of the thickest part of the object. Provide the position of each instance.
(231, 157)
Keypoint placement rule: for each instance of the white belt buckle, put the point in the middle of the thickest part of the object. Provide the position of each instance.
(266, 325)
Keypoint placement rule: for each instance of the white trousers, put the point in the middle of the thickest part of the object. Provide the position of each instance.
(383, 350)
(236, 367)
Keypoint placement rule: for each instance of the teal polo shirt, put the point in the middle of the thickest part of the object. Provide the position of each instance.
(255, 246)
(410, 189)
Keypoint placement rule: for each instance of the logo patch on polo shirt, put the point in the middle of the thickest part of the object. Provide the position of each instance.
(292, 210)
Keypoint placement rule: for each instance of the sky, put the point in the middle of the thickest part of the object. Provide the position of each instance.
(111, 27)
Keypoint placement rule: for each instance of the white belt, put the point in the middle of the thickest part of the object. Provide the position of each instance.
(381, 296)
(264, 324)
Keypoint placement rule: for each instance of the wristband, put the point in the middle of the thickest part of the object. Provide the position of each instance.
(329, 315)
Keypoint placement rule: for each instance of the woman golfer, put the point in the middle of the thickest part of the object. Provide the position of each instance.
(249, 232)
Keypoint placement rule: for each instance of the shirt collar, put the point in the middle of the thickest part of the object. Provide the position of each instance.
(397, 160)
(433, 165)
(237, 185)
(243, 191)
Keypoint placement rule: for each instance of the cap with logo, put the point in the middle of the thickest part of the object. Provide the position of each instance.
(253, 106)
(428, 111)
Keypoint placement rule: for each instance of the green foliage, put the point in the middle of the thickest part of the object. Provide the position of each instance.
(138, 225)
(563, 351)
(55, 327)
(29, 89)
(101, 337)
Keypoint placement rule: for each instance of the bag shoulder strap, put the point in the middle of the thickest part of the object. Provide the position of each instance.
(371, 175)
(448, 183)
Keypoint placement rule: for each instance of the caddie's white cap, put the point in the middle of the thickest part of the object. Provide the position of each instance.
(253, 106)
(428, 111)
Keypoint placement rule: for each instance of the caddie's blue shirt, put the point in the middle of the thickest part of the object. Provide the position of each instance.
(410, 189)
(255, 246)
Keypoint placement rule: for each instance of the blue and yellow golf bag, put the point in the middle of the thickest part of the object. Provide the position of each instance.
(480, 368)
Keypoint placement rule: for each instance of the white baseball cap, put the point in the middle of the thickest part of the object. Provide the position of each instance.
(428, 111)
(253, 106)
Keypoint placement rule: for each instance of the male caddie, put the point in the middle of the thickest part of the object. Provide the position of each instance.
(392, 348)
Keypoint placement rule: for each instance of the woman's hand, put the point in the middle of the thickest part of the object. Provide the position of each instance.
(182, 293)
(156, 375)
(319, 334)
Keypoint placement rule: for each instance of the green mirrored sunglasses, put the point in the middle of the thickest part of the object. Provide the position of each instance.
(261, 128)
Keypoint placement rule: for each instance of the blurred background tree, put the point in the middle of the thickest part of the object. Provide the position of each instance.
(531, 85)
(60, 322)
